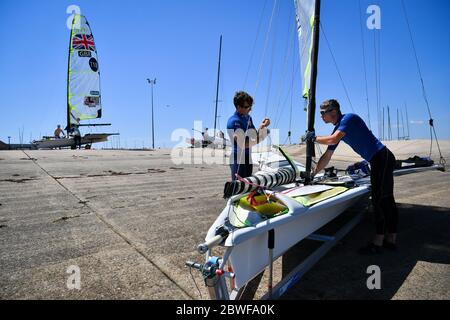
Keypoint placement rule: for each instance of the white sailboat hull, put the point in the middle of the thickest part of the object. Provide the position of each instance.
(247, 248)
(216, 143)
(249, 254)
(68, 142)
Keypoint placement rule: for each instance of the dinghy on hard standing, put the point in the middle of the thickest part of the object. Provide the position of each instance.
(269, 212)
(83, 87)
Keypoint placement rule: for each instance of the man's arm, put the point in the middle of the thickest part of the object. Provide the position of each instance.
(253, 136)
(323, 161)
(331, 140)
(252, 139)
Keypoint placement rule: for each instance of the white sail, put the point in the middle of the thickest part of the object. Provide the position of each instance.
(305, 21)
(83, 88)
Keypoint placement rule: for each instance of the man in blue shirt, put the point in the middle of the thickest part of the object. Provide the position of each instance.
(244, 135)
(351, 129)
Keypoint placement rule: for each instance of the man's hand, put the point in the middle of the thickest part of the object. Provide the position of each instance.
(265, 123)
(263, 131)
(310, 136)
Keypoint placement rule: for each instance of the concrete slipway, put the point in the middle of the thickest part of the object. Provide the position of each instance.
(130, 219)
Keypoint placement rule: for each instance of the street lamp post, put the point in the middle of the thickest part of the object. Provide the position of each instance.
(152, 82)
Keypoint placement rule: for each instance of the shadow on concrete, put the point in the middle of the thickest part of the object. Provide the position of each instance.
(342, 273)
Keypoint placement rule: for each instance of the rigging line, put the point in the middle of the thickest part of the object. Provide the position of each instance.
(296, 66)
(431, 142)
(364, 64)
(254, 44)
(285, 140)
(283, 75)
(416, 58)
(291, 89)
(407, 119)
(378, 37)
(319, 148)
(287, 51)
(269, 85)
(337, 68)
(258, 77)
(432, 129)
(376, 82)
(290, 110)
(379, 66)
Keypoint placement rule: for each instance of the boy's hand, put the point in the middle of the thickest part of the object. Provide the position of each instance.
(265, 123)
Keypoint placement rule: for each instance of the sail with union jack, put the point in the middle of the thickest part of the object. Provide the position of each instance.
(83, 42)
(83, 88)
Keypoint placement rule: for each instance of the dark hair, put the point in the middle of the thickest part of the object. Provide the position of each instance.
(331, 104)
(242, 97)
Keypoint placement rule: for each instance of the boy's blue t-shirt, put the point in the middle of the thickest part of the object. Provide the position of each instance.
(357, 136)
(239, 122)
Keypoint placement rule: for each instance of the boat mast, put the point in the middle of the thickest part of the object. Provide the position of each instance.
(68, 76)
(217, 89)
(389, 125)
(312, 90)
(403, 125)
(407, 120)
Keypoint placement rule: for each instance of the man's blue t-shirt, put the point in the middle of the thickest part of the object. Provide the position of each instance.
(235, 124)
(357, 136)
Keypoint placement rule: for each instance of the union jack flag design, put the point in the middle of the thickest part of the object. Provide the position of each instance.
(83, 42)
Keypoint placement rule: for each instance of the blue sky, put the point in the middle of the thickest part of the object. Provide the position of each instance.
(177, 42)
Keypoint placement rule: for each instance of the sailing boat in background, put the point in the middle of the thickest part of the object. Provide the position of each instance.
(217, 140)
(83, 88)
